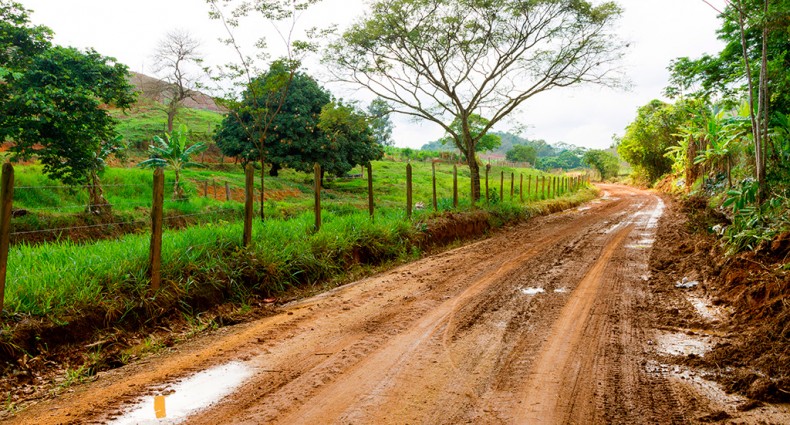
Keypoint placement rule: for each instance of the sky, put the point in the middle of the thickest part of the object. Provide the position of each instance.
(657, 30)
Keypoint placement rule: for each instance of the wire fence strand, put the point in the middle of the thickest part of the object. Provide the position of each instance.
(89, 226)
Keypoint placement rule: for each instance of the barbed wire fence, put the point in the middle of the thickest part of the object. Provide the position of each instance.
(175, 213)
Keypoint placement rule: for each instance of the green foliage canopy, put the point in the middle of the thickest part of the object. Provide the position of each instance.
(380, 123)
(52, 101)
(292, 138)
(349, 140)
(647, 139)
(309, 128)
(522, 153)
(606, 163)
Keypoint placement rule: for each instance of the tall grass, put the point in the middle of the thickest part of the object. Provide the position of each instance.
(58, 279)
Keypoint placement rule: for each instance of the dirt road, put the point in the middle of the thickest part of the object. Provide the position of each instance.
(545, 322)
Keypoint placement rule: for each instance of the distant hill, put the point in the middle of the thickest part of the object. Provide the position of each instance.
(509, 140)
(151, 88)
(147, 118)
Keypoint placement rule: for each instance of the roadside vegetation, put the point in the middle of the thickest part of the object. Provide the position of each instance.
(724, 136)
(38, 284)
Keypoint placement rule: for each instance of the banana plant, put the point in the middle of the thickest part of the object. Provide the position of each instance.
(172, 151)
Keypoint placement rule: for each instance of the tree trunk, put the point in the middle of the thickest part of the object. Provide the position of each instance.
(97, 204)
(263, 177)
(275, 170)
(171, 116)
(755, 117)
(474, 170)
(763, 110)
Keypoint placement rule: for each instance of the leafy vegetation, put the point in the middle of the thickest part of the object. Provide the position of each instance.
(51, 102)
(285, 250)
(173, 152)
(607, 164)
(726, 134)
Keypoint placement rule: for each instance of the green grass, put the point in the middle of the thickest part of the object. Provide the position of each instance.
(61, 279)
(138, 126)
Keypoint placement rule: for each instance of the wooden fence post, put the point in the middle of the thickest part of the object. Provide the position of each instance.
(512, 185)
(543, 187)
(521, 187)
(155, 258)
(455, 186)
(227, 191)
(554, 187)
(6, 203)
(488, 167)
(433, 177)
(205, 188)
(370, 190)
(317, 187)
(501, 185)
(529, 186)
(249, 194)
(408, 191)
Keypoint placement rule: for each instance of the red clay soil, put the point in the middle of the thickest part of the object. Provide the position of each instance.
(753, 288)
(563, 319)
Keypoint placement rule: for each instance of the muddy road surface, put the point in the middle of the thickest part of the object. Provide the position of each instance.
(544, 322)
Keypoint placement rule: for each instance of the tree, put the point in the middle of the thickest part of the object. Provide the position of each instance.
(648, 137)
(755, 64)
(349, 139)
(607, 164)
(522, 153)
(173, 57)
(448, 60)
(173, 151)
(380, 122)
(20, 42)
(52, 103)
(476, 126)
(267, 99)
(293, 139)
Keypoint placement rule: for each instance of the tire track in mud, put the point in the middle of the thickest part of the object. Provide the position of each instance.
(554, 386)
(450, 338)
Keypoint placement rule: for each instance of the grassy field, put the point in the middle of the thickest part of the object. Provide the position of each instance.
(137, 127)
(61, 278)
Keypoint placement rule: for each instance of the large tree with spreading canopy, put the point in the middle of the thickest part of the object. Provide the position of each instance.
(447, 61)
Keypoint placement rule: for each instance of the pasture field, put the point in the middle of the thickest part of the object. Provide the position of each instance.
(202, 245)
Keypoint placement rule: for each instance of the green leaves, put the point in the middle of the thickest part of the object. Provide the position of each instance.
(172, 151)
(647, 139)
(606, 163)
(52, 109)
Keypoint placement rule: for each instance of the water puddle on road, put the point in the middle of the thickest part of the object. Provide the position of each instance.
(680, 344)
(190, 395)
(705, 310)
(532, 291)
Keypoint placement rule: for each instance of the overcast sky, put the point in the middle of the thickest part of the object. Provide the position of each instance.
(658, 31)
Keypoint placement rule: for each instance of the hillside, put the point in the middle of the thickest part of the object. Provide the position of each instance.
(151, 88)
(147, 117)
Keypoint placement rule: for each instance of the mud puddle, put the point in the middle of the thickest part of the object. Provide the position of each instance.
(176, 402)
(532, 291)
(680, 344)
(705, 310)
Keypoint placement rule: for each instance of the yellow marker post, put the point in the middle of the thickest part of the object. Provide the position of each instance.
(159, 407)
